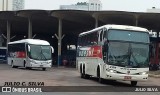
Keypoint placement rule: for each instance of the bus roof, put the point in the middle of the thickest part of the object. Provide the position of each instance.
(31, 41)
(121, 27)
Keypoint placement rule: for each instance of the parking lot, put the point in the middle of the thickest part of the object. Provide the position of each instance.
(60, 76)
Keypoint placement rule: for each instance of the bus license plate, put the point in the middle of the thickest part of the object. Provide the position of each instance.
(127, 77)
(41, 65)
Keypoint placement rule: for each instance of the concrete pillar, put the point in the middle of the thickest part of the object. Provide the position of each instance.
(59, 40)
(29, 28)
(59, 36)
(95, 16)
(8, 31)
(136, 21)
(96, 22)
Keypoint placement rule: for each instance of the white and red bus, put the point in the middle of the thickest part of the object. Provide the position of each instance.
(3, 54)
(30, 53)
(114, 52)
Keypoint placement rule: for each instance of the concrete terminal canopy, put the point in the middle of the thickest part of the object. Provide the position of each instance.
(45, 24)
(45, 21)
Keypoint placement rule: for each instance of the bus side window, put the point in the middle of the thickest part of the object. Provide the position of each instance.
(105, 50)
(83, 40)
(105, 45)
(100, 37)
(94, 38)
(89, 40)
(104, 36)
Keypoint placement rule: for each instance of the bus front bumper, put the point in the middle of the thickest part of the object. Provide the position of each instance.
(126, 77)
(41, 65)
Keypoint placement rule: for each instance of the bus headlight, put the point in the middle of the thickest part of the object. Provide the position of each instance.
(49, 62)
(33, 62)
(112, 71)
(143, 73)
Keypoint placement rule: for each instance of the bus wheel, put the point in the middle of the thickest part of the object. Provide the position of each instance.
(98, 76)
(86, 76)
(133, 83)
(81, 71)
(25, 65)
(43, 69)
(12, 64)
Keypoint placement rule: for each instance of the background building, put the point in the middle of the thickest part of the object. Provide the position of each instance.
(91, 5)
(153, 10)
(8, 5)
(1, 39)
(18, 4)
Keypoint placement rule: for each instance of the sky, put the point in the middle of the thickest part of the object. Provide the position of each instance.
(118, 5)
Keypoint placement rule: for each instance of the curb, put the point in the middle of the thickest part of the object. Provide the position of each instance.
(155, 76)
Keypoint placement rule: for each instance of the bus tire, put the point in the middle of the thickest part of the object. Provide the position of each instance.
(12, 64)
(86, 76)
(25, 65)
(101, 80)
(133, 83)
(44, 69)
(29, 68)
(81, 71)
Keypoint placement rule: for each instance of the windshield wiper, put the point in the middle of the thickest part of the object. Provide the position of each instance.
(41, 54)
(44, 56)
(137, 65)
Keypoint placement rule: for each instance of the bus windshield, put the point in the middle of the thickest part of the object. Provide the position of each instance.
(128, 48)
(128, 54)
(40, 52)
(126, 35)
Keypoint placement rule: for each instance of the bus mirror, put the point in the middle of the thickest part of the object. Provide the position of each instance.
(105, 48)
(29, 48)
(52, 49)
